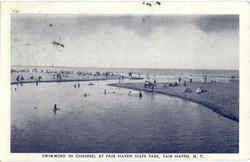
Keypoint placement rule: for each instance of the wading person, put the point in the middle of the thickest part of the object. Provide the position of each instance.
(55, 109)
(140, 94)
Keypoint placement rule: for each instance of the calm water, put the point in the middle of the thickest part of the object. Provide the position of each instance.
(115, 122)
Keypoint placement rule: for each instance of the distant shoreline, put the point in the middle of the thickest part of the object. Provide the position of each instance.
(58, 81)
(204, 99)
(139, 68)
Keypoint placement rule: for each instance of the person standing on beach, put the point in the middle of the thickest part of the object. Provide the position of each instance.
(155, 83)
(17, 78)
(205, 79)
(179, 80)
(22, 78)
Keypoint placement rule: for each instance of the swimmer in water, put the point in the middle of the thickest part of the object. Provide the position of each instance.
(55, 109)
(140, 95)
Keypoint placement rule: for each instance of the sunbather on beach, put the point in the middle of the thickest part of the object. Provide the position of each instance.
(198, 90)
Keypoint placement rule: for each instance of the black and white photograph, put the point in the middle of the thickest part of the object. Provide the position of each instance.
(127, 83)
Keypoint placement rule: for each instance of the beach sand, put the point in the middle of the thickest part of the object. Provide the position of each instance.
(222, 98)
(51, 77)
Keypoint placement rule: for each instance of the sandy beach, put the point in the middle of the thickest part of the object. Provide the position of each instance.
(222, 98)
(67, 76)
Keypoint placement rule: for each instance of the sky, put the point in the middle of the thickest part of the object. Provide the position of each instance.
(126, 41)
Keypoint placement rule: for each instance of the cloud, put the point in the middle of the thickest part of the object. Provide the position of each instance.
(126, 41)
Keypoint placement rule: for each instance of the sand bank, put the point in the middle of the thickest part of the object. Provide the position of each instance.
(222, 98)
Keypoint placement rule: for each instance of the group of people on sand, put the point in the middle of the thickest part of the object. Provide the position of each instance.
(177, 83)
(198, 90)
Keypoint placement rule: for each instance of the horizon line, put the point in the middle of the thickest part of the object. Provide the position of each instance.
(119, 67)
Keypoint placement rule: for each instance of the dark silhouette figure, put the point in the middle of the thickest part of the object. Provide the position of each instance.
(39, 78)
(18, 78)
(148, 4)
(58, 44)
(78, 85)
(58, 76)
(55, 109)
(179, 80)
(157, 2)
(155, 84)
(140, 95)
(22, 78)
